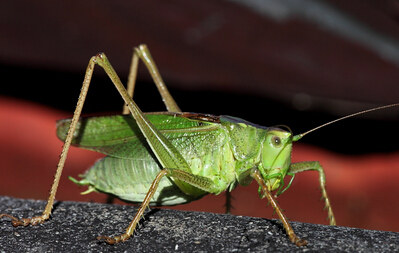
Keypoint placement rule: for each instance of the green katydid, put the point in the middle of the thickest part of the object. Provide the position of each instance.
(173, 157)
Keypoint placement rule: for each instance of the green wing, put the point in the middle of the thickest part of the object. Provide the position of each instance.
(119, 135)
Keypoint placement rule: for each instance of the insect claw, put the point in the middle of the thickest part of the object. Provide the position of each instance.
(17, 223)
(300, 242)
(107, 239)
(20, 222)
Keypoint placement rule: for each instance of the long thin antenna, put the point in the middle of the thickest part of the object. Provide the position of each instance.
(299, 136)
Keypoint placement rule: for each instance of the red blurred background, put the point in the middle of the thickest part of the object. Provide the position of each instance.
(295, 63)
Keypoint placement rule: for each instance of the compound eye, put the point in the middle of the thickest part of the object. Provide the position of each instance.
(276, 141)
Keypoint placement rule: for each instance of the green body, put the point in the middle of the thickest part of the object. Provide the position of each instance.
(221, 148)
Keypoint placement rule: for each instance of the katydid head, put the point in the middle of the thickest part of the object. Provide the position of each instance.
(276, 157)
(276, 152)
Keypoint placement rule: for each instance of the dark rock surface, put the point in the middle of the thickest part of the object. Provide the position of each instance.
(75, 226)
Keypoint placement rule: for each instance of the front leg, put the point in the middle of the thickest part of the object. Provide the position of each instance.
(255, 174)
(314, 165)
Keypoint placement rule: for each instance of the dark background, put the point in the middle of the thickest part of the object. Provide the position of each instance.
(330, 57)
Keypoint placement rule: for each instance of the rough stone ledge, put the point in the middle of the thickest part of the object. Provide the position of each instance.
(75, 226)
